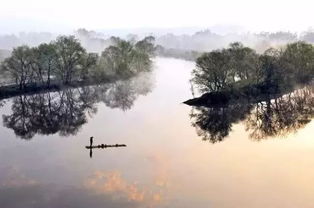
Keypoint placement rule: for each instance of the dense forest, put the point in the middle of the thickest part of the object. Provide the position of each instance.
(240, 72)
(65, 62)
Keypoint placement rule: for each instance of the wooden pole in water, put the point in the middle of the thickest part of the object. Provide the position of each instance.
(105, 146)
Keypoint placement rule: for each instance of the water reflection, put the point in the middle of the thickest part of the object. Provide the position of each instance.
(101, 189)
(281, 116)
(271, 118)
(214, 124)
(2, 102)
(67, 110)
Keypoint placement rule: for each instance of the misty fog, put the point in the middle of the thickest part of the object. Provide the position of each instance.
(174, 43)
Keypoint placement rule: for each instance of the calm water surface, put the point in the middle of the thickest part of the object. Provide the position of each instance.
(165, 164)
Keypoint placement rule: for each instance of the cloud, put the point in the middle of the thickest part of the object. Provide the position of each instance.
(112, 183)
(19, 191)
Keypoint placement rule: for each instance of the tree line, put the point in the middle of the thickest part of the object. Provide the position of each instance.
(65, 62)
(239, 67)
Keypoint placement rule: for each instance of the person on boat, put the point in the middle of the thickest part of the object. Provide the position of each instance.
(91, 141)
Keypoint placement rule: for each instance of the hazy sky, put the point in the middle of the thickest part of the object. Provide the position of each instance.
(62, 15)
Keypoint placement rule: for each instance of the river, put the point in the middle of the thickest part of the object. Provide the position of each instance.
(165, 162)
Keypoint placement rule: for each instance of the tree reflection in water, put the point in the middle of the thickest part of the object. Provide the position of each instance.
(281, 116)
(271, 118)
(214, 123)
(67, 110)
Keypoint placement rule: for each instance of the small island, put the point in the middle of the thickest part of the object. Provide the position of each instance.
(240, 74)
(271, 93)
